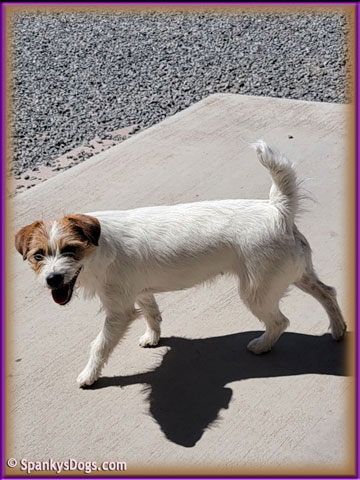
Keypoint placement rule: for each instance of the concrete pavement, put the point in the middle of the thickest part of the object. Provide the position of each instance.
(200, 403)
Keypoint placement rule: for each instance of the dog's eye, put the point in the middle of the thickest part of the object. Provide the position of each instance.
(39, 255)
(69, 250)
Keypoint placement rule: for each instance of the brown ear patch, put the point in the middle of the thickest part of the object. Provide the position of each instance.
(24, 236)
(85, 226)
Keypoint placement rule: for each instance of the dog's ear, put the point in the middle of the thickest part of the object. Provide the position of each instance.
(22, 238)
(88, 227)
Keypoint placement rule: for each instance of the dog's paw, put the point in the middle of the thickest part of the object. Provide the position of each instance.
(338, 331)
(87, 377)
(257, 346)
(149, 339)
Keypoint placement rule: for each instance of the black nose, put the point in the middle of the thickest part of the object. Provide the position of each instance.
(55, 280)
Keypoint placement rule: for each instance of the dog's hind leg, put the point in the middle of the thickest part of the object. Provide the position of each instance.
(263, 302)
(275, 323)
(151, 312)
(326, 295)
(310, 283)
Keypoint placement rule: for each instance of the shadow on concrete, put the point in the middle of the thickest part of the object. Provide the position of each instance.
(187, 390)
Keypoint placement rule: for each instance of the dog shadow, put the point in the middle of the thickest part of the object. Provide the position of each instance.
(187, 390)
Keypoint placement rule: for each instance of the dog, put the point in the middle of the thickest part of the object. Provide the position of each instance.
(125, 257)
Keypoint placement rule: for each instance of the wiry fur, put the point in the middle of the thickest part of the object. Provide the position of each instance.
(157, 249)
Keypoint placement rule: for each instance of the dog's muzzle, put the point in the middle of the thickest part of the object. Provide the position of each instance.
(61, 293)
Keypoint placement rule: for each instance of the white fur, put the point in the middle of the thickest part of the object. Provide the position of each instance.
(53, 236)
(157, 249)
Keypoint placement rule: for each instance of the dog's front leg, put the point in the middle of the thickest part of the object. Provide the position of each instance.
(114, 328)
(150, 310)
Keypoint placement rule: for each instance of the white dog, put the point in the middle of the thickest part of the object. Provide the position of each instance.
(124, 257)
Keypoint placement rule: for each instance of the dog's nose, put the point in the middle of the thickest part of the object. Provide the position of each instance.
(54, 280)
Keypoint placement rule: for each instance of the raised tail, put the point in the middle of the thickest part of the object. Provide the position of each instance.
(284, 192)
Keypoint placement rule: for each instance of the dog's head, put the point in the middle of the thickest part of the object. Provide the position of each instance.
(57, 250)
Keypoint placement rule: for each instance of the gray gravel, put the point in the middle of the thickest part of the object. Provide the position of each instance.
(78, 75)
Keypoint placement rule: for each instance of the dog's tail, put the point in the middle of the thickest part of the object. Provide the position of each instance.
(284, 192)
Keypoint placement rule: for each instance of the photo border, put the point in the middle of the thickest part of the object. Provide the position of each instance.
(5, 219)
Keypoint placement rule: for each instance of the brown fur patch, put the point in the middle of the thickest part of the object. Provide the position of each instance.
(31, 239)
(86, 226)
(26, 235)
(81, 231)
(39, 242)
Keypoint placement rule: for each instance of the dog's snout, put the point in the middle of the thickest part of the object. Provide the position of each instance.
(54, 280)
